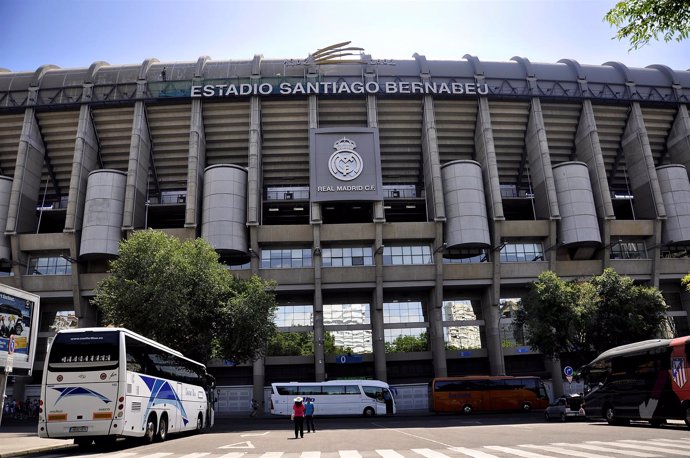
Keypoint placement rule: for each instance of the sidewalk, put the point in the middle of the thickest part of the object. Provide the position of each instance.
(18, 438)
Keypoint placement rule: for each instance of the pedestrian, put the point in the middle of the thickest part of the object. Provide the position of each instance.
(298, 417)
(254, 407)
(309, 410)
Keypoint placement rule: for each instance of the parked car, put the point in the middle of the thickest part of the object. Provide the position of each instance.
(566, 407)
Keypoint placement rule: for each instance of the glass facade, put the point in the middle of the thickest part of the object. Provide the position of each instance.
(522, 252)
(508, 308)
(347, 257)
(284, 258)
(398, 334)
(49, 264)
(356, 318)
(629, 249)
(407, 255)
(463, 325)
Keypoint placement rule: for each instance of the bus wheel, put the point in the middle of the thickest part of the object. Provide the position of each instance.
(162, 429)
(687, 415)
(150, 431)
(467, 409)
(199, 424)
(564, 418)
(610, 415)
(369, 412)
(547, 416)
(526, 406)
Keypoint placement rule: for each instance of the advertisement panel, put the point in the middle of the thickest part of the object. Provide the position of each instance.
(19, 312)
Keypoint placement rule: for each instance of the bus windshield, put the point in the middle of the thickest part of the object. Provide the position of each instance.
(84, 351)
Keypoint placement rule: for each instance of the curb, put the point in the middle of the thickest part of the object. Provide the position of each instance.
(31, 451)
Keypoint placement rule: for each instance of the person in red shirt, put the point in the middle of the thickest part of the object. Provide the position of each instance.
(298, 417)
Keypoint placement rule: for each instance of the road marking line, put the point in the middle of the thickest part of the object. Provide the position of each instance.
(564, 451)
(472, 453)
(271, 455)
(121, 455)
(639, 447)
(195, 455)
(517, 452)
(157, 455)
(669, 444)
(254, 434)
(310, 455)
(388, 453)
(412, 435)
(233, 455)
(245, 444)
(428, 453)
(349, 454)
(597, 448)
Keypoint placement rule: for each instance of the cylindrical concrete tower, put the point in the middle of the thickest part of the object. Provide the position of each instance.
(5, 191)
(467, 223)
(675, 190)
(224, 210)
(105, 203)
(579, 225)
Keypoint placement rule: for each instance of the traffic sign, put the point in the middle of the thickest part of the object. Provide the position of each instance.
(568, 371)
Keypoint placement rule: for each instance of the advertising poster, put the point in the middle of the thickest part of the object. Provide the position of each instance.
(18, 326)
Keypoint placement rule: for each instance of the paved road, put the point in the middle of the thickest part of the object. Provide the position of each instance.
(483, 436)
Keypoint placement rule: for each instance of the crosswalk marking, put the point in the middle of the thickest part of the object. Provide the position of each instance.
(272, 455)
(598, 448)
(388, 453)
(310, 455)
(158, 455)
(686, 445)
(195, 455)
(472, 453)
(428, 453)
(640, 447)
(565, 451)
(349, 454)
(516, 452)
(647, 442)
(121, 454)
(233, 455)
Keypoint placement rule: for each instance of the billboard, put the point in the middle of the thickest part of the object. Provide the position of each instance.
(19, 313)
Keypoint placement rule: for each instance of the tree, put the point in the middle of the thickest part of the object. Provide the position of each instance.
(623, 312)
(408, 343)
(178, 294)
(549, 316)
(685, 281)
(644, 20)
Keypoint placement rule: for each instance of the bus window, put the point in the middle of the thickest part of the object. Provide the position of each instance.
(287, 390)
(373, 392)
(310, 390)
(79, 352)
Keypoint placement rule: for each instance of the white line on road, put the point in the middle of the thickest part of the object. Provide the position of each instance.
(195, 455)
(472, 453)
(254, 434)
(310, 455)
(388, 453)
(271, 455)
(428, 453)
(349, 454)
(639, 447)
(598, 448)
(516, 452)
(412, 435)
(565, 451)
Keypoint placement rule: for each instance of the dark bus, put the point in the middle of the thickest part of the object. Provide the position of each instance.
(640, 381)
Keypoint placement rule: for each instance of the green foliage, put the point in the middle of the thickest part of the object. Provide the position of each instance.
(547, 315)
(408, 343)
(644, 20)
(302, 344)
(607, 311)
(178, 294)
(685, 281)
(623, 312)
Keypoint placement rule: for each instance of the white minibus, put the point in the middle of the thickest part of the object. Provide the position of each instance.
(335, 397)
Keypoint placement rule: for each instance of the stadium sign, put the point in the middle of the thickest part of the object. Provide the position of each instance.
(340, 88)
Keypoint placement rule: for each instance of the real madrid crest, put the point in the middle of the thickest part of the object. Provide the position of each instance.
(345, 163)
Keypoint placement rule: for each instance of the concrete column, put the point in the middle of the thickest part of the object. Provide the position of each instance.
(553, 365)
(134, 214)
(85, 161)
(196, 162)
(432, 163)
(545, 203)
(588, 150)
(486, 156)
(678, 142)
(319, 332)
(435, 308)
(254, 191)
(259, 377)
(26, 186)
(641, 171)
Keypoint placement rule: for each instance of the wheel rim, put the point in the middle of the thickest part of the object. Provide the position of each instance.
(150, 430)
(467, 409)
(199, 424)
(610, 415)
(162, 429)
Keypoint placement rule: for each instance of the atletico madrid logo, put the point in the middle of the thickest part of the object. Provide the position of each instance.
(678, 371)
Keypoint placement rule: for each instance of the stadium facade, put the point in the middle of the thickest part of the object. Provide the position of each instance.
(386, 198)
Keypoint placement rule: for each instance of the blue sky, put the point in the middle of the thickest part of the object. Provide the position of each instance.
(76, 33)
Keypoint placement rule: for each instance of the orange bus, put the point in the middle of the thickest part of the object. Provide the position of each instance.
(485, 393)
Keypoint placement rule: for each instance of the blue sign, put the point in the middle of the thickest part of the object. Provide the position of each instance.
(348, 359)
(568, 371)
(465, 353)
(523, 350)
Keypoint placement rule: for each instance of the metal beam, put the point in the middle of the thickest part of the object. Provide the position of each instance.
(152, 162)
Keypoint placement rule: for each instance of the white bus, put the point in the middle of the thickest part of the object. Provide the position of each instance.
(103, 383)
(335, 397)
